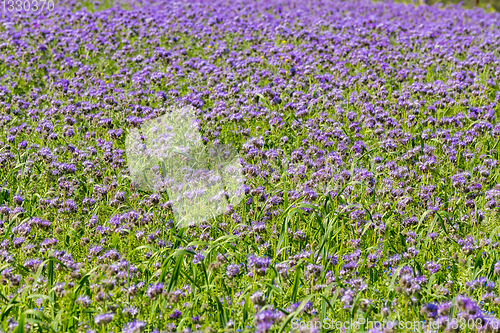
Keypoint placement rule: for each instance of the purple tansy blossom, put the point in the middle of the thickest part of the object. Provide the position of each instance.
(492, 197)
(85, 301)
(33, 264)
(265, 319)
(313, 271)
(282, 269)
(309, 194)
(259, 227)
(347, 299)
(70, 206)
(468, 245)
(232, 270)
(258, 299)
(103, 319)
(198, 258)
(154, 291)
(460, 180)
(258, 265)
(22, 145)
(17, 211)
(413, 251)
(5, 210)
(131, 312)
(481, 282)
(95, 250)
(40, 223)
(429, 310)
(299, 235)
(112, 255)
(12, 324)
(293, 195)
(134, 327)
(497, 268)
(23, 229)
(221, 258)
(432, 267)
(176, 314)
(18, 241)
(467, 305)
(18, 200)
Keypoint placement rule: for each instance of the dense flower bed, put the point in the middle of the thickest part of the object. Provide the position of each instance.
(370, 145)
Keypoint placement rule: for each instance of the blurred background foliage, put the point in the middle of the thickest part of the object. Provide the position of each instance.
(487, 5)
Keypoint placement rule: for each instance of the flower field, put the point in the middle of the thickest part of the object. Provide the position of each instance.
(368, 135)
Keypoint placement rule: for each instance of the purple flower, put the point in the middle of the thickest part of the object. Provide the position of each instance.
(134, 327)
(258, 265)
(265, 319)
(130, 312)
(176, 314)
(18, 200)
(154, 291)
(432, 267)
(198, 258)
(85, 301)
(103, 319)
(232, 270)
(258, 299)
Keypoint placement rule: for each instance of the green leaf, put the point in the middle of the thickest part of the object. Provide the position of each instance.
(294, 314)
(296, 282)
(176, 272)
